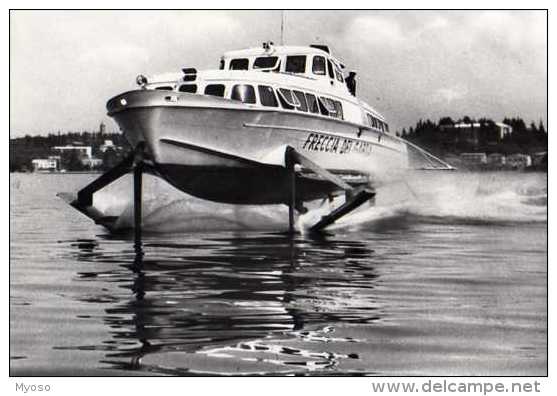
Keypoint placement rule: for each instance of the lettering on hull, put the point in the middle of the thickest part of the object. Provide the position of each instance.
(336, 144)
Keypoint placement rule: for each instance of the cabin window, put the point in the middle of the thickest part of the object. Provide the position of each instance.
(330, 67)
(164, 88)
(287, 99)
(312, 103)
(369, 119)
(277, 69)
(221, 64)
(265, 62)
(267, 96)
(322, 107)
(386, 127)
(330, 106)
(328, 103)
(302, 99)
(338, 74)
(244, 93)
(338, 108)
(239, 64)
(318, 66)
(215, 90)
(189, 88)
(373, 121)
(296, 64)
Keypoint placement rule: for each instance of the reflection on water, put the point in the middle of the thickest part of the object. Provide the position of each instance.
(227, 298)
(452, 283)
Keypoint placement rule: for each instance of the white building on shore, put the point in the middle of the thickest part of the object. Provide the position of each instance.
(519, 161)
(44, 164)
(473, 158)
(496, 159)
(83, 151)
(92, 162)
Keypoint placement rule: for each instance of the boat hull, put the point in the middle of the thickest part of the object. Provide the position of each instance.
(227, 151)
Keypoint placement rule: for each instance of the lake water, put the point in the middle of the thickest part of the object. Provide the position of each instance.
(446, 276)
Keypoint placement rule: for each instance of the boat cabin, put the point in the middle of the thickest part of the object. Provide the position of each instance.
(315, 62)
(297, 79)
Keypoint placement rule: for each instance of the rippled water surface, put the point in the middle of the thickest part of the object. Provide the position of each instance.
(447, 276)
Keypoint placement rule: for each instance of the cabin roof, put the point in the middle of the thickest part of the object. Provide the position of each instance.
(278, 50)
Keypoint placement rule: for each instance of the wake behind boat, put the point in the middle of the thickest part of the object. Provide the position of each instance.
(273, 125)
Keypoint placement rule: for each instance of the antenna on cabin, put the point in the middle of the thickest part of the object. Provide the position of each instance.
(282, 27)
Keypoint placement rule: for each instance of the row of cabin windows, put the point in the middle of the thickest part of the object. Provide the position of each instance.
(300, 101)
(376, 123)
(294, 64)
(288, 99)
(306, 102)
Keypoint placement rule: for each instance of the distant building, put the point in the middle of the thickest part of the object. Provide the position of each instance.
(473, 158)
(470, 132)
(83, 151)
(102, 128)
(503, 129)
(539, 158)
(92, 162)
(108, 145)
(48, 164)
(519, 161)
(496, 159)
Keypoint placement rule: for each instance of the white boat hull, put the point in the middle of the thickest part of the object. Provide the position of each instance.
(227, 151)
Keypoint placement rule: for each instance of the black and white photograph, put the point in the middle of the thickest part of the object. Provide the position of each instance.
(278, 193)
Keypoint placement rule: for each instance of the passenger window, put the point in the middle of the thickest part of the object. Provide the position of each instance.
(318, 66)
(221, 65)
(215, 90)
(239, 64)
(329, 105)
(312, 103)
(287, 99)
(296, 64)
(322, 107)
(331, 71)
(265, 62)
(164, 88)
(369, 119)
(189, 88)
(267, 96)
(338, 74)
(302, 99)
(338, 107)
(386, 127)
(244, 93)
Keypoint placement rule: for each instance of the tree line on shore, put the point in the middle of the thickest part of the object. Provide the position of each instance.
(24, 149)
(442, 140)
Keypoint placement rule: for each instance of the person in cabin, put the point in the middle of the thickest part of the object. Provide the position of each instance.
(351, 82)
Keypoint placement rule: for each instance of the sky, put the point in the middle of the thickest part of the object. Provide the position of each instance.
(65, 65)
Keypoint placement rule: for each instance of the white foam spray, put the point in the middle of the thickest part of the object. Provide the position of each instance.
(429, 196)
